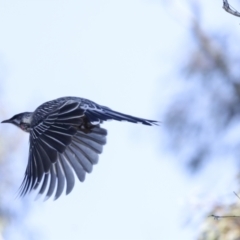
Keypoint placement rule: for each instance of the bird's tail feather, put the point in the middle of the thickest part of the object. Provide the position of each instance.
(108, 114)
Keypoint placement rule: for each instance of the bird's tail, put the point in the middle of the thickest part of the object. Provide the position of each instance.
(107, 114)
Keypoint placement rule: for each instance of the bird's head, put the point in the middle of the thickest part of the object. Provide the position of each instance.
(21, 120)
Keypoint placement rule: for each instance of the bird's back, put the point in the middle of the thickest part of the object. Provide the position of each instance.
(48, 107)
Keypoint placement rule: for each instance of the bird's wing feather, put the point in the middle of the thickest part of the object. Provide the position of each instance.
(60, 146)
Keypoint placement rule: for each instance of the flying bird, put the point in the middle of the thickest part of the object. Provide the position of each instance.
(65, 137)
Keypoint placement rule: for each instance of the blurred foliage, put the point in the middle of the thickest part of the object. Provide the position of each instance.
(203, 121)
(223, 222)
(207, 109)
(226, 228)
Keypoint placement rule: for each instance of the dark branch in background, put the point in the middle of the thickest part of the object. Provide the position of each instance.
(230, 9)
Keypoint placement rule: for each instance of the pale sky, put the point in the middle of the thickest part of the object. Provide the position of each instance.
(116, 53)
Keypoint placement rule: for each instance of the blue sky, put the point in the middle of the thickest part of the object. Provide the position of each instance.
(119, 54)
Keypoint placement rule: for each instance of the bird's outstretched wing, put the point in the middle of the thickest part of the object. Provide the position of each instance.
(62, 143)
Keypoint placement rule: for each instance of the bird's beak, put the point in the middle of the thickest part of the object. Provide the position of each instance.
(7, 121)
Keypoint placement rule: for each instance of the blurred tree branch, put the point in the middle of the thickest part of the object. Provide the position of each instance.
(230, 9)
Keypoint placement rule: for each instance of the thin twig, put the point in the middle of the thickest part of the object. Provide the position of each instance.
(218, 217)
(228, 8)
